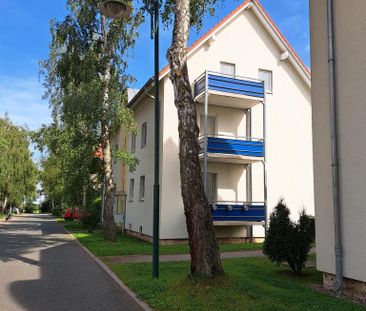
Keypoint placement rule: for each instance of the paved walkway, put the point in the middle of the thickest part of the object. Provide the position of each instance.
(42, 268)
(177, 257)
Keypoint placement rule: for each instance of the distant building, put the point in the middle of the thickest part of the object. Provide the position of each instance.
(350, 68)
(259, 115)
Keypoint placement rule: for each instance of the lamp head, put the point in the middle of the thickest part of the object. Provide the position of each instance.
(115, 8)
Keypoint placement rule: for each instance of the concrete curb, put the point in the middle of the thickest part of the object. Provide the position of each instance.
(113, 276)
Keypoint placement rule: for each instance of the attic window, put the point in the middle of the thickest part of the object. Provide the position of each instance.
(266, 76)
(227, 68)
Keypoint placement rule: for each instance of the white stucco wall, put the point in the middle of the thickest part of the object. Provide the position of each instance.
(289, 141)
(350, 47)
(140, 213)
(245, 43)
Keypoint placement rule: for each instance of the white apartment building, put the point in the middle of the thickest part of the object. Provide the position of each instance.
(258, 120)
(349, 59)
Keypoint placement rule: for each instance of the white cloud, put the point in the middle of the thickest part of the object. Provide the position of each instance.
(22, 99)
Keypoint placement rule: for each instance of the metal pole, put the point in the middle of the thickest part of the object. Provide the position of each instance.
(205, 142)
(335, 157)
(249, 174)
(156, 216)
(264, 164)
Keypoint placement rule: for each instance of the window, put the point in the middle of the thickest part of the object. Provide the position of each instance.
(132, 189)
(227, 68)
(212, 188)
(211, 125)
(142, 188)
(120, 204)
(143, 135)
(133, 142)
(266, 75)
(115, 149)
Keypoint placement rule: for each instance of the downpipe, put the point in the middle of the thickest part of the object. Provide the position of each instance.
(334, 145)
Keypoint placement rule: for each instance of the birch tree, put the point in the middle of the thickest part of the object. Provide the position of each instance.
(86, 83)
(205, 256)
(18, 173)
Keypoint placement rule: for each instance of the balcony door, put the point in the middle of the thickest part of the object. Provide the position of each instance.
(211, 125)
(211, 188)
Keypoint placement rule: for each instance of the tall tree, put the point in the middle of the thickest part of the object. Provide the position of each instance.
(86, 84)
(205, 256)
(18, 173)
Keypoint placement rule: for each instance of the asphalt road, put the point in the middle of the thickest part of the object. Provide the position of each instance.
(43, 269)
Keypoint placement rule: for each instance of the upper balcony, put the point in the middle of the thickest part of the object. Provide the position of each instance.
(230, 149)
(229, 91)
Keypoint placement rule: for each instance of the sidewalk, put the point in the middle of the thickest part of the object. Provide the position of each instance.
(180, 257)
(176, 257)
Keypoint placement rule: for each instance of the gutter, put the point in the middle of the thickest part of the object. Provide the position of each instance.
(140, 92)
(334, 145)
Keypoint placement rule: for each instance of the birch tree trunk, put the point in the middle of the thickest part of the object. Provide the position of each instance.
(5, 202)
(108, 217)
(205, 256)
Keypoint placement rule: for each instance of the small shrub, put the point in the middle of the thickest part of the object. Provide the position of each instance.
(31, 208)
(287, 241)
(91, 216)
(57, 211)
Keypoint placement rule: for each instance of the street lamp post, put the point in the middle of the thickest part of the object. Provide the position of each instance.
(121, 9)
(156, 220)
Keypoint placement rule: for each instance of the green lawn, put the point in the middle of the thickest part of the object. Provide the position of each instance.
(250, 284)
(127, 245)
(2, 216)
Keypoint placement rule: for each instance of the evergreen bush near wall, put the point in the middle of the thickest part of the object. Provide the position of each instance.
(287, 241)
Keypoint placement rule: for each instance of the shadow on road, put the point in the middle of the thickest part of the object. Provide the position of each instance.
(68, 278)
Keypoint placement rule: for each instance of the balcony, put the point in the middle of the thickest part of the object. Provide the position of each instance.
(229, 149)
(238, 213)
(229, 91)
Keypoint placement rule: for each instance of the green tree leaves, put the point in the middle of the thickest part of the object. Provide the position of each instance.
(18, 173)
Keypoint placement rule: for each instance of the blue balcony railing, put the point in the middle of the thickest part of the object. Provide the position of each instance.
(249, 147)
(238, 211)
(229, 84)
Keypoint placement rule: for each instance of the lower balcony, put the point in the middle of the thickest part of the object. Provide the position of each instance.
(238, 213)
(233, 150)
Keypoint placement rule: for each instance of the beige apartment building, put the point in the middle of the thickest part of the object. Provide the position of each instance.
(349, 33)
(258, 135)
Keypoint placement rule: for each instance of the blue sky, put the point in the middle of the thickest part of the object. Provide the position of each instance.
(24, 39)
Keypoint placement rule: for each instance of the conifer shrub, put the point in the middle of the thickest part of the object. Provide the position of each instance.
(288, 241)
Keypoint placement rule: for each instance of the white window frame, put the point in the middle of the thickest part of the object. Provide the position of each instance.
(142, 188)
(229, 65)
(202, 124)
(143, 135)
(270, 72)
(214, 190)
(133, 142)
(131, 190)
